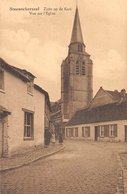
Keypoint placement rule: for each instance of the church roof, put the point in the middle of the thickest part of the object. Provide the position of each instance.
(108, 112)
(76, 32)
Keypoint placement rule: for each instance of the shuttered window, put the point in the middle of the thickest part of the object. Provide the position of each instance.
(80, 48)
(83, 68)
(108, 130)
(77, 68)
(86, 131)
(113, 130)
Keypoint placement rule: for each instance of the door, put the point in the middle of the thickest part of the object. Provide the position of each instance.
(126, 133)
(3, 137)
(96, 133)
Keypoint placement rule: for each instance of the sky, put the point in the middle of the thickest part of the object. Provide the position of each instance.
(38, 40)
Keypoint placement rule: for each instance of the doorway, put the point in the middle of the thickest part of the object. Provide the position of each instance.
(3, 137)
(96, 133)
(126, 133)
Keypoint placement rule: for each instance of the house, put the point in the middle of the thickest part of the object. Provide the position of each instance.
(107, 97)
(104, 120)
(24, 110)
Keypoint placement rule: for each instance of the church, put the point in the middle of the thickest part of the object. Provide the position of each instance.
(77, 114)
(76, 79)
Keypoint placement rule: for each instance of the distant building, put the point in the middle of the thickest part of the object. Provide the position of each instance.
(24, 110)
(105, 119)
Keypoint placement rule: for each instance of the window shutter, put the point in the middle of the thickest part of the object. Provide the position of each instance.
(115, 130)
(82, 131)
(106, 130)
(98, 129)
(88, 131)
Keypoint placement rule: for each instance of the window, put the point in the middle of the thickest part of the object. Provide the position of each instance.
(77, 68)
(75, 132)
(102, 131)
(83, 68)
(28, 125)
(30, 87)
(108, 130)
(80, 68)
(113, 130)
(72, 132)
(79, 47)
(1, 79)
(86, 131)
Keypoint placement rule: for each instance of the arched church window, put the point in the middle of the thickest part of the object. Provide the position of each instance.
(83, 68)
(77, 68)
(79, 47)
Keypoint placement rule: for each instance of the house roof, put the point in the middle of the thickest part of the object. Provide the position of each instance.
(115, 94)
(20, 73)
(108, 112)
(24, 72)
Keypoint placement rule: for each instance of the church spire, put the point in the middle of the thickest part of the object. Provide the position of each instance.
(76, 32)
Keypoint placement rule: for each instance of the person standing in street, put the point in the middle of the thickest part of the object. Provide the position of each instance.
(60, 138)
(47, 137)
(53, 138)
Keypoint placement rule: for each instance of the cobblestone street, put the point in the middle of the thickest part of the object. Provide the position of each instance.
(81, 168)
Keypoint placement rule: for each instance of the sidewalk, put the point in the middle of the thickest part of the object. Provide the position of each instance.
(28, 157)
(121, 150)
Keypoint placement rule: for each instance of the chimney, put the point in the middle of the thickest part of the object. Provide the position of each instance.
(123, 93)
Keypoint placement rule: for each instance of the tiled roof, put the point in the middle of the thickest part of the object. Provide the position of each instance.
(115, 94)
(108, 112)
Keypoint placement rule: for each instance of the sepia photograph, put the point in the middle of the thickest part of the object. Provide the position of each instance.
(63, 97)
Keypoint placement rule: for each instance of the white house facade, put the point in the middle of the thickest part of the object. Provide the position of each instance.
(102, 123)
(22, 110)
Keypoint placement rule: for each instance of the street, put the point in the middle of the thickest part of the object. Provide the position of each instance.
(81, 168)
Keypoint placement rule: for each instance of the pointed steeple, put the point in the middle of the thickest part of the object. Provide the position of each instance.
(76, 32)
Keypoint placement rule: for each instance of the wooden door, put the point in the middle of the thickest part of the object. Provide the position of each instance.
(96, 133)
(125, 133)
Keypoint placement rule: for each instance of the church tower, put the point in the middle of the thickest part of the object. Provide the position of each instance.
(76, 74)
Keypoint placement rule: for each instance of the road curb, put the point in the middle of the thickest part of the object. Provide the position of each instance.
(121, 177)
(36, 159)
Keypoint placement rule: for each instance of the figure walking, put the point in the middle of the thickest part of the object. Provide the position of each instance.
(60, 138)
(47, 138)
(53, 138)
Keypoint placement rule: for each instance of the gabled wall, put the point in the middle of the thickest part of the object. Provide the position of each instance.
(102, 97)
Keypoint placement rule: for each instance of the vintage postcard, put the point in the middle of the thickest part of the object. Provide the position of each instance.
(63, 96)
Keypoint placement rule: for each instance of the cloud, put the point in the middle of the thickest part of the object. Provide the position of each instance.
(21, 50)
(110, 72)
